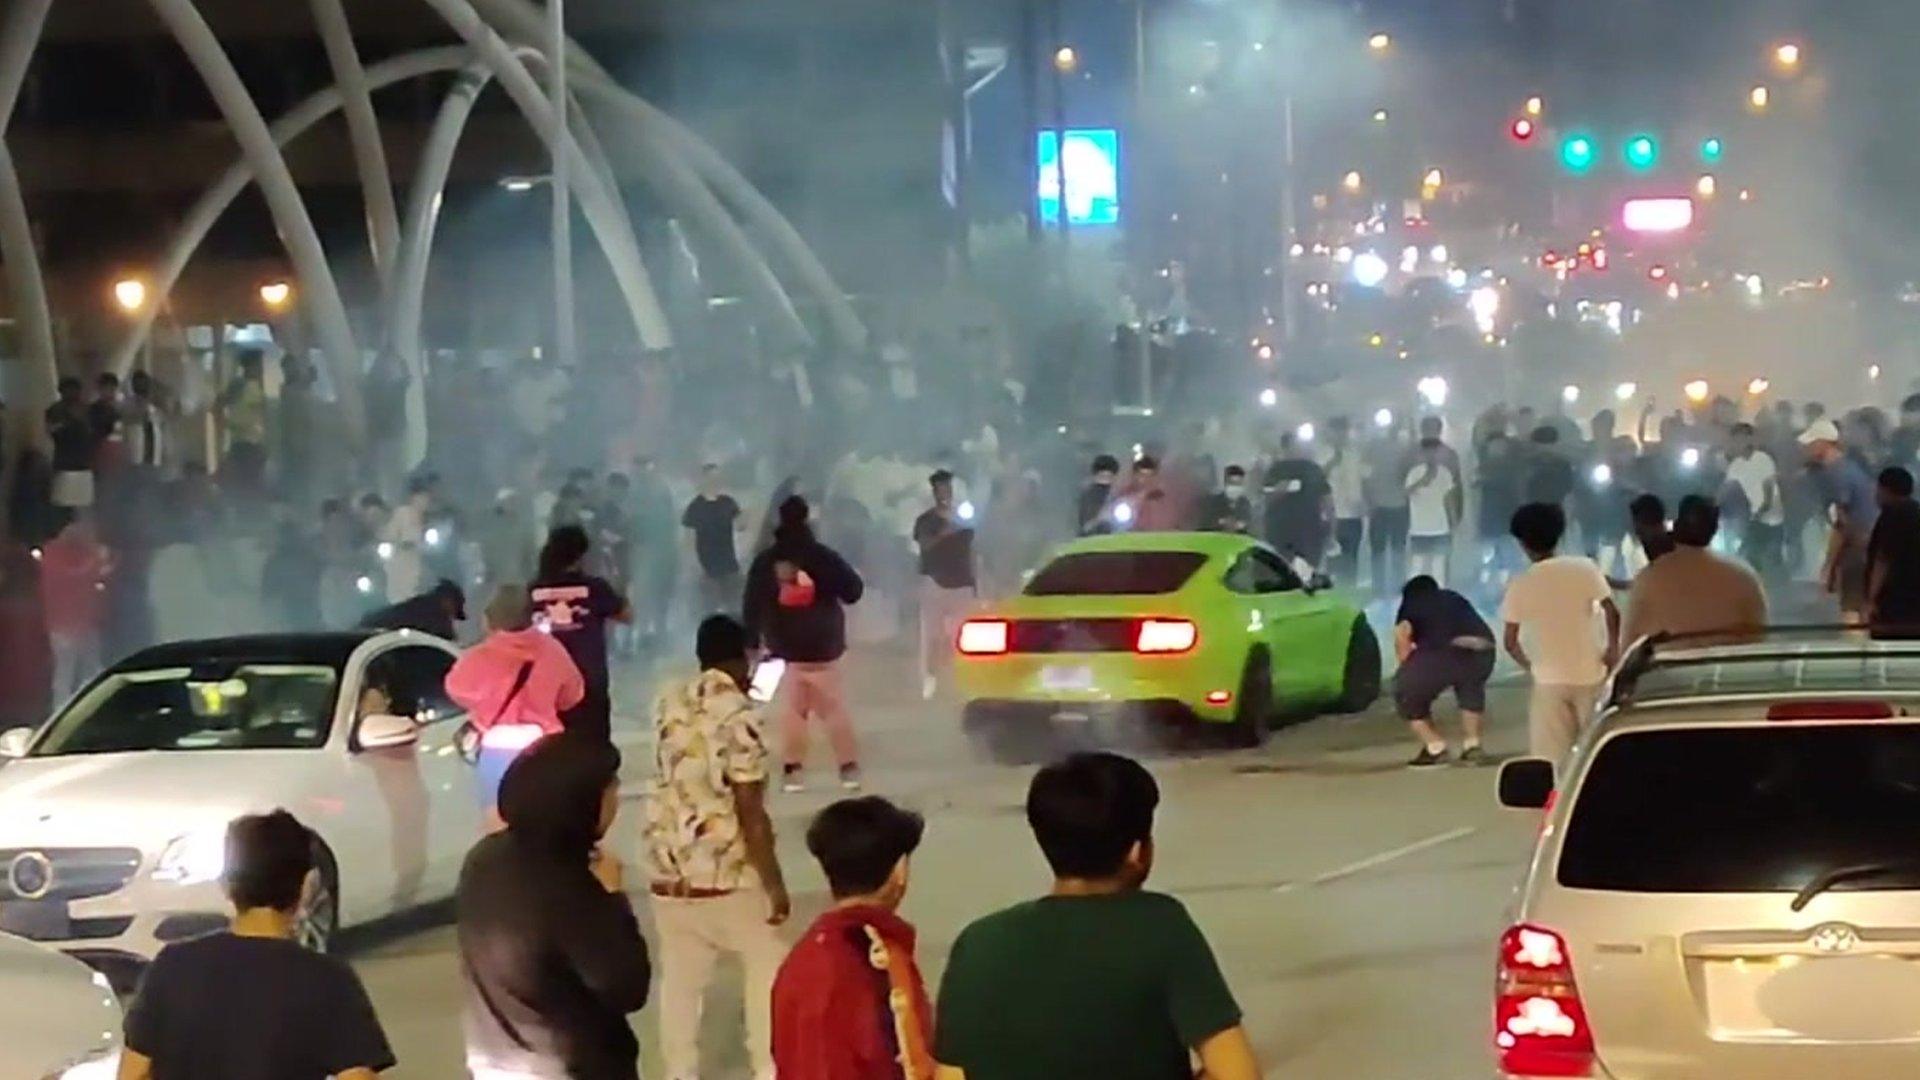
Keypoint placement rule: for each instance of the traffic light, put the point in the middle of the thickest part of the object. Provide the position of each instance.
(1522, 129)
(1577, 153)
(1643, 153)
(1711, 150)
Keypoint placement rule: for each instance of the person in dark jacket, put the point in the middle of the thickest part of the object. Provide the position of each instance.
(795, 602)
(575, 607)
(438, 611)
(550, 951)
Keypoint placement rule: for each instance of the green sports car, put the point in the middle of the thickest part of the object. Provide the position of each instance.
(1207, 627)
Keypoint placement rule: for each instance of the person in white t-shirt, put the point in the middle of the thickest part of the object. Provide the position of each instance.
(1753, 471)
(1548, 611)
(1430, 486)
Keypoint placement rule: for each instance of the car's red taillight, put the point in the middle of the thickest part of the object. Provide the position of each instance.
(1165, 636)
(1539, 1025)
(983, 637)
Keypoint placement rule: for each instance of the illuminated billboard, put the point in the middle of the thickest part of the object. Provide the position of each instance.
(1665, 215)
(1093, 176)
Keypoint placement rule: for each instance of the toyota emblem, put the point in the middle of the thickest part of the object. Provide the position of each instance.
(1834, 938)
(30, 875)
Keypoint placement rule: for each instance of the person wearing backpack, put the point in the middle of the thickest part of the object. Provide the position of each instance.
(514, 685)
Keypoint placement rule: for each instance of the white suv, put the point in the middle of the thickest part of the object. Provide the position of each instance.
(1727, 881)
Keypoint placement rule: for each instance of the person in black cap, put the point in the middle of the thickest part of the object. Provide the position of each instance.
(438, 611)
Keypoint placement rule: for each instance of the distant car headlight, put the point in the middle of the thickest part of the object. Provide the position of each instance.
(193, 859)
(99, 1065)
(384, 549)
(433, 537)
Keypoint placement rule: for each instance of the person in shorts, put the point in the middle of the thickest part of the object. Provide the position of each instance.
(1849, 494)
(1443, 644)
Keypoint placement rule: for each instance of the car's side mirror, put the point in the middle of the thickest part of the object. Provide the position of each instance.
(382, 731)
(1526, 783)
(15, 741)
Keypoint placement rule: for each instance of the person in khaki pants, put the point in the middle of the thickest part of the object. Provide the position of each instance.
(1549, 615)
(716, 882)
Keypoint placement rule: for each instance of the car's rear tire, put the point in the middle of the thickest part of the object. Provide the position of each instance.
(1361, 685)
(317, 922)
(1253, 713)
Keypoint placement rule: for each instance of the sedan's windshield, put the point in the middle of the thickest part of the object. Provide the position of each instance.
(246, 707)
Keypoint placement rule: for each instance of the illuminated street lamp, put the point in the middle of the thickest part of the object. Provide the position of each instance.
(1786, 56)
(1379, 116)
(1352, 181)
(1536, 105)
(275, 295)
(1380, 42)
(1706, 187)
(1759, 97)
(1066, 60)
(1697, 391)
(130, 294)
(1433, 180)
(1757, 386)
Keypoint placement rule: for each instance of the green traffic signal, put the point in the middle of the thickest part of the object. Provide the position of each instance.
(1577, 153)
(1711, 150)
(1643, 153)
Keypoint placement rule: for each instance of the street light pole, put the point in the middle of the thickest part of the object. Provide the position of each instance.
(1060, 66)
(563, 326)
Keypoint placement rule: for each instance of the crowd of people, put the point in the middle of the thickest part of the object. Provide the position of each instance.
(554, 962)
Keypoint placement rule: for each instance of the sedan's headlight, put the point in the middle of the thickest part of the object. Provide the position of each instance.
(99, 1065)
(193, 859)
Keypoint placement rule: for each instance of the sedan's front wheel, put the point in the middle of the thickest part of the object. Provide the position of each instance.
(318, 919)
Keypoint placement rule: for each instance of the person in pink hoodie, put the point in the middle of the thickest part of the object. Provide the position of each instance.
(514, 685)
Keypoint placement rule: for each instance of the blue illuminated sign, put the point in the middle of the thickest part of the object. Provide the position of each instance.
(1093, 177)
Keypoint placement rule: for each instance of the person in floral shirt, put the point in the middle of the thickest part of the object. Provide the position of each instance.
(716, 882)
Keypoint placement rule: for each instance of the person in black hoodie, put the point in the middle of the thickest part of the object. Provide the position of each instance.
(795, 601)
(550, 951)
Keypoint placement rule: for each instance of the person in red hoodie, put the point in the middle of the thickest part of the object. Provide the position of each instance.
(74, 567)
(849, 1003)
(514, 685)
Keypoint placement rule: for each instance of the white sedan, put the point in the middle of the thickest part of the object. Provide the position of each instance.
(113, 814)
(61, 1022)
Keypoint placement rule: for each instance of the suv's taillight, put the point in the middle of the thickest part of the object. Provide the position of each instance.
(1165, 636)
(983, 637)
(1539, 1026)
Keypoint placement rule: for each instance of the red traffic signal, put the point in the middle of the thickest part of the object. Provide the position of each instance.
(1522, 129)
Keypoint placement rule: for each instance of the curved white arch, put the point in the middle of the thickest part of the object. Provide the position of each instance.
(200, 219)
(26, 288)
(290, 217)
(596, 201)
(363, 127)
(526, 24)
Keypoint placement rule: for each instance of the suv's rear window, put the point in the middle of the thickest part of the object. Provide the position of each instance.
(1115, 573)
(1747, 809)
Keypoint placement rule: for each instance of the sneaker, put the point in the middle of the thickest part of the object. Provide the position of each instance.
(929, 688)
(850, 777)
(793, 781)
(1473, 755)
(1427, 759)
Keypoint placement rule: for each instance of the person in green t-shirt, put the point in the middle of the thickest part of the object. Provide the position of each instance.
(1099, 978)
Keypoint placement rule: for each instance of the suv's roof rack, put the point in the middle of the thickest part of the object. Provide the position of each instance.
(1786, 642)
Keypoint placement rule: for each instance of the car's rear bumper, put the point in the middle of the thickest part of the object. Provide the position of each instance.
(1098, 684)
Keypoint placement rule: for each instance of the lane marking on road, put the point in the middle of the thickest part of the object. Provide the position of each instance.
(1381, 859)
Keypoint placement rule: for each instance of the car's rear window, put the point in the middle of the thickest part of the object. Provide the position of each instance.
(1115, 573)
(1747, 809)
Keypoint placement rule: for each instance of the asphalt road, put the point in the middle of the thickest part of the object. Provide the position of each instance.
(1353, 904)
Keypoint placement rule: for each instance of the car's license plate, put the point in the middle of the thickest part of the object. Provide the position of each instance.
(36, 920)
(1055, 677)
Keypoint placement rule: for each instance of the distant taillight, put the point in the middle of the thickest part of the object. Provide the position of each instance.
(1539, 1026)
(983, 637)
(1165, 636)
